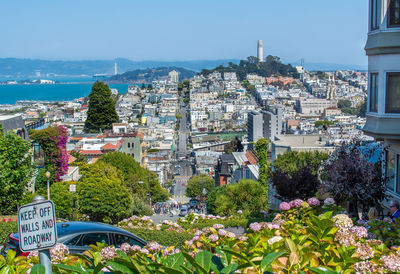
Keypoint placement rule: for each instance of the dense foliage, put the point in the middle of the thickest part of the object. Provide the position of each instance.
(15, 170)
(345, 106)
(101, 113)
(53, 141)
(296, 174)
(352, 177)
(133, 173)
(247, 195)
(264, 175)
(271, 66)
(196, 184)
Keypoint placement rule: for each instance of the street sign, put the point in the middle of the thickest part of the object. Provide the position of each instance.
(72, 187)
(37, 226)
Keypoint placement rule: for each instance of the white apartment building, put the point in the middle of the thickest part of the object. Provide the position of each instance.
(383, 106)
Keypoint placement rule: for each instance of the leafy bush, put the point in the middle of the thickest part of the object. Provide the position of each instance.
(62, 198)
(139, 207)
(197, 183)
(104, 199)
(6, 228)
(247, 195)
(165, 238)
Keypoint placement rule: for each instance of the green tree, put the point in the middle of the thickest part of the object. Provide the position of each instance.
(344, 103)
(261, 148)
(62, 198)
(246, 195)
(133, 173)
(101, 113)
(15, 170)
(197, 183)
(79, 157)
(178, 116)
(104, 200)
(292, 161)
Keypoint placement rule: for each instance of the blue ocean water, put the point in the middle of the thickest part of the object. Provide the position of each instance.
(9, 94)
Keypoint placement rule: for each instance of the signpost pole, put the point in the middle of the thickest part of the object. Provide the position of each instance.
(44, 255)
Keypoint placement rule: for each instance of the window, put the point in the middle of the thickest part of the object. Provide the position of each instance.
(390, 169)
(393, 93)
(129, 145)
(93, 238)
(373, 92)
(374, 15)
(394, 14)
(120, 239)
(73, 241)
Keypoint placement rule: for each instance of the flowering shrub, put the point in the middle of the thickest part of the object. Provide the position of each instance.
(53, 141)
(138, 222)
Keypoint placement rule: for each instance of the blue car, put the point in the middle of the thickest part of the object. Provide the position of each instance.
(79, 235)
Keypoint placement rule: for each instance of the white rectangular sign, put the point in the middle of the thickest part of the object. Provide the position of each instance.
(72, 187)
(37, 226)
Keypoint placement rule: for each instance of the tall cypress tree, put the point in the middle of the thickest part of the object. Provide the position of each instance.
(101, 114)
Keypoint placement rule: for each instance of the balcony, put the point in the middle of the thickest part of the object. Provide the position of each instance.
(382, 127)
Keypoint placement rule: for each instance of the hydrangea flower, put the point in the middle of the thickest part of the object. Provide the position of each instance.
(242, 238)
(364, 251)
(366, 267)
(213, 237)
(284, 206)
(125, 247)
(313, 201)
(274, 239)
(58, 252)
(108, 252)
(329, 201)
(391, 263)
(342, 221)
(359, 231)
(345, 237)
(239, 211)
(218, 226)
(153, 246)
(231, 235)
(255, 227)
(296, 203)
(222, 232)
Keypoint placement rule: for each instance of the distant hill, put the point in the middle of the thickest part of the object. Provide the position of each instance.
(148, 75)
(14, 68)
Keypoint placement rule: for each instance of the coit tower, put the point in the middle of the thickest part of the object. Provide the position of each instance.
(259, 51)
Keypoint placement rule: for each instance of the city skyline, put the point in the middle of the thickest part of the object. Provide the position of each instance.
(155, 30)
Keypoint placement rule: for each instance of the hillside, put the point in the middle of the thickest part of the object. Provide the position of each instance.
(271, 66)
(150, 74)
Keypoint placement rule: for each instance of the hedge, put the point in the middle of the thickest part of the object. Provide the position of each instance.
(6, 228)
(165, 238)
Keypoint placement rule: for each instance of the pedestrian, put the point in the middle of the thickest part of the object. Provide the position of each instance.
(394, 208)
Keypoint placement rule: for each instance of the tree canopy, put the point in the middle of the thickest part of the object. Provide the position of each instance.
(197, 183)
(261, 148)
(101, 113)
(246, 195)
(15, 170)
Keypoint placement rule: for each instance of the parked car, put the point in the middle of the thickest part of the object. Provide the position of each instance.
(79, 235)
(183, 212)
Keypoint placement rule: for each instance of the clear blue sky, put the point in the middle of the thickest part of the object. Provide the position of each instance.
(331, 31)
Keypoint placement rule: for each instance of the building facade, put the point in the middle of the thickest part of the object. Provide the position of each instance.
(383, 105)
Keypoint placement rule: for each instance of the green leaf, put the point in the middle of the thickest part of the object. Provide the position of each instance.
(268, 260)
(226, 258)
(322, 270)
(68, 268)
(203, 258)
(239, 256)
(194, 264)
(230, 269)
(291, 245)
(216, 265)
(175, 260)
(38, 269)
(124, 268)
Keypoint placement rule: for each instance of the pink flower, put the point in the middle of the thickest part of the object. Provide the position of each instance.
(329, 201)
(296, 203)
(313, 201)
(284, 206)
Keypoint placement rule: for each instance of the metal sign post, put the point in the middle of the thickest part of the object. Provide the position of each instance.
(37, 229)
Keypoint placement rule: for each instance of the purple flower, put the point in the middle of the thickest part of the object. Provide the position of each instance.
(222, 232)
(218, 226)
(231, 235)
(284, 206)
(329, 201)
(213, 237)
(255, 227)
(296, 203)
(313, 201)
